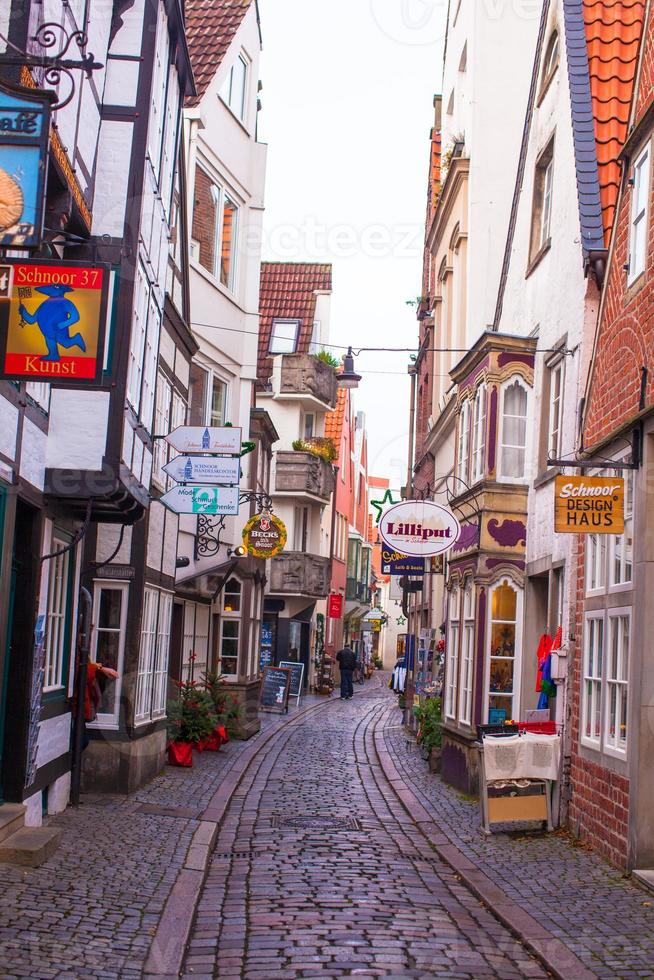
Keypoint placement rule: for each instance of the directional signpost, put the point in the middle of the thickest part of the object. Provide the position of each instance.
(190, 499)
(206, 439)
(211, 470)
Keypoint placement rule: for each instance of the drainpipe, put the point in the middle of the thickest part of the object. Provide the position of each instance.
(406, 603)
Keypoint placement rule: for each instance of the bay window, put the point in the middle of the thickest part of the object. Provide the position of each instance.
(463, 454)
(479, 434)
(230, 628)
(467, 654)
(452, 668)
(513, 435)
(504, 651)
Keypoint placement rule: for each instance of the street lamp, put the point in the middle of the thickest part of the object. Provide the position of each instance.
(348, 378)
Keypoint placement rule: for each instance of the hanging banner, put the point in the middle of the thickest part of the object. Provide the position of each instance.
(419, 528)
(24, 134)
(264, 536)
(53, 321)
(393, 563)
(335, 605)
(589, 505)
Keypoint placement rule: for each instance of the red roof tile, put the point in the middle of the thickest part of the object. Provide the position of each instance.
(210, 29)
(613, 32)
(288, 291)
(334, 421)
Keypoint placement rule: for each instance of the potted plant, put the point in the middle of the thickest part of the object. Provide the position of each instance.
(191, 718)
(430, 732)
(226, 706)
(319, 446)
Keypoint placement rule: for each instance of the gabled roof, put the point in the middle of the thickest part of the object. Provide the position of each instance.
(210, 29)
(288, 291)
(602, 43)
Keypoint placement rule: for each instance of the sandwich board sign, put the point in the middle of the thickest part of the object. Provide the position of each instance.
(216, 471)
(297, 676)
(188, 499)
(206, 439)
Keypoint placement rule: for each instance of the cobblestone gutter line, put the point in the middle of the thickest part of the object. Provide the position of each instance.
(592, 909)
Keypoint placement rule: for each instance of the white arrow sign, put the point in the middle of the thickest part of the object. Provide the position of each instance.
(202, 500)
(205, 439)
(205, 469)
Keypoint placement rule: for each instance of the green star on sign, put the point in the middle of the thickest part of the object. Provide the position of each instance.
(381, 505)
(401, 620)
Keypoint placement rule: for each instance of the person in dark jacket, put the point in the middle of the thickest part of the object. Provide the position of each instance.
(347, 661)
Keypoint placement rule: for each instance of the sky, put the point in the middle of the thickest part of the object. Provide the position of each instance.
(347, 108)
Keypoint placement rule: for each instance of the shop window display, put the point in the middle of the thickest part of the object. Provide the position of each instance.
(503, 654)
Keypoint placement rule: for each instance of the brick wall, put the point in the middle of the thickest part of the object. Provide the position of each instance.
(204, 219)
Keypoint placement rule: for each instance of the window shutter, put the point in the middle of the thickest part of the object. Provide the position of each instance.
(198, 395)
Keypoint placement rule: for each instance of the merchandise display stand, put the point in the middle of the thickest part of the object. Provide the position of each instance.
(521, 795)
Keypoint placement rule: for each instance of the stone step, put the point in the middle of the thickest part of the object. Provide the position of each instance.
(645, 878)
(12, 818)
(30, 846)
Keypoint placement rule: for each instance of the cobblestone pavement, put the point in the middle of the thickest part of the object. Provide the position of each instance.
(597, 911)
(317, 873)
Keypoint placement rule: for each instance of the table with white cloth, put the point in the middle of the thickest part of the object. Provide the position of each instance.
(518, 773)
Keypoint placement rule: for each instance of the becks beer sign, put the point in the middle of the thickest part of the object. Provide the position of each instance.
(419, 527)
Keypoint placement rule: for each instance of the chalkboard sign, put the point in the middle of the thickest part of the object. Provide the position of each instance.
(297, 676)
(275, 684)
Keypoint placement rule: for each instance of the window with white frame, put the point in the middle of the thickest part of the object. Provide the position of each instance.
(513, 436)
(170, 140)
(551, 59)
(638, 218)
(452, 667)
(467, 654)
(504, 650)
(609, 558)
(150, 359)
(214, 237)
(234, 91)
(218, 407)
(230, 627)
(228, 240)
(308, 428)
(593, 678)
(479, 434)
(162, 427)
(110, 622)
(596, 553)
(284, 336)
(463, 455)
(555, 424)
(39, 392)
(616, 720)
(137, 337)
(541, 218)
(154, 651)
(57, 626)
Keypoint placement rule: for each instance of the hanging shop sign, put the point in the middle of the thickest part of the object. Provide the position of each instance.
(206, 439)
(419, 528)
(589, 505)
(264, 535)
(335, 605)
(393, 563)
(221, 470)
(213, 501)
(53, 321)
(24, 134)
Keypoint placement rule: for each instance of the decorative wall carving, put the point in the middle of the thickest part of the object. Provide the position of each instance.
(296, 573)
(297, 472)
(303, 374)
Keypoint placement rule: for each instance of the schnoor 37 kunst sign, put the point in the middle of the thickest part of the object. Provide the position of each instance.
(52, 321)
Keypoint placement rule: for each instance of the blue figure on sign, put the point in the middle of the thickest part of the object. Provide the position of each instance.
(188, 469)
(206, 440)
(55, 316)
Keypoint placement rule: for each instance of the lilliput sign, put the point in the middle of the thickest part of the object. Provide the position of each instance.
(419, 527)
(589, 505)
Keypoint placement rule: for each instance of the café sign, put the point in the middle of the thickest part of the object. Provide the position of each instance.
(419, 528)
(589, 505)
(24, 134)
(53, 321)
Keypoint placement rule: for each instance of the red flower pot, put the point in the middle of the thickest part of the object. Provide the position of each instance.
(221, 731)
(180, 753)
(201, 744)
(213, 743)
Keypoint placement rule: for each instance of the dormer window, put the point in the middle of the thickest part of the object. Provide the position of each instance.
(284, 336)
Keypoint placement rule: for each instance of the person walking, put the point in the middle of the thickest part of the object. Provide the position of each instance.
(347, 662)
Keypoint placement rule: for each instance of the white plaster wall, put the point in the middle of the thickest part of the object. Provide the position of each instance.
(54, 739)
(108, 536)
(78, 429)
(128, 39)
(114, 150)
(8, 428)
(32, 456)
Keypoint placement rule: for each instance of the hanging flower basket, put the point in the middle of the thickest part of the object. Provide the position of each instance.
(180, 754)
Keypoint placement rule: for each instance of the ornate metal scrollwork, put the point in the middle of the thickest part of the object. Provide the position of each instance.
(208, 536)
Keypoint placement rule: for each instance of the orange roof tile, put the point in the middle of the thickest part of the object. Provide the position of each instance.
(613, 32)
(210, 29)
(334, 421)
(288, 291)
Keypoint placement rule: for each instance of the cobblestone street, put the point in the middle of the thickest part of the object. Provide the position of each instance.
(320, 848)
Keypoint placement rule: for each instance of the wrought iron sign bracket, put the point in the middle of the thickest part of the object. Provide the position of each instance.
(208, 538)
(599, 463)
(48, 36)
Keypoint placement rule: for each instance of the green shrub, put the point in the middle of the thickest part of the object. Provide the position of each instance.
(430, 732)
(192, 716)
(226, 706)
(327, 358)
(317, 446)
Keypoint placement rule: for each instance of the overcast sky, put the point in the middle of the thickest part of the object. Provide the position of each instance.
(347, 109)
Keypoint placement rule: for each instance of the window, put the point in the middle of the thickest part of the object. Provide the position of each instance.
(467, 654)
(593, 670)
(617, 682)
(39, 392)
(57, 627)
(609, 558)
(314, 346)
(218, 402)
(638, 220)
(109, 620)
(514, 431)
(555, 426)
(234, 91)
(137, 337)
(162, 427)
(284, 336)
(463, 457)
(541, 218)
(504, 650)
(453, 653)
(309, 426)
(215, 229)
(151, 682)
(551, 58)
(479, 435)
(150, 364)
(228, 242)
(301, 529)
(230, 627)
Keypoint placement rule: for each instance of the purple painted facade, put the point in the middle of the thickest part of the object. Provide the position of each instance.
(507, 357)
(469, 381)
(468, 538)
(509, 533)
(492, 563)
